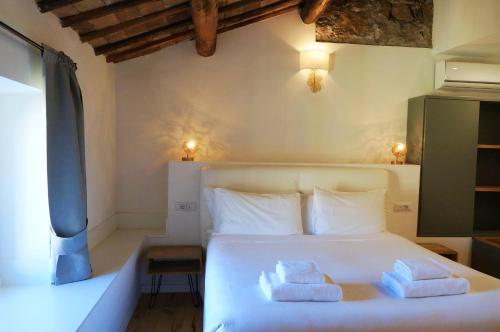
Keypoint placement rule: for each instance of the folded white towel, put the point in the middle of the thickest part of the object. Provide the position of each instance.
(299, 272)
(275, 290)
(424, 288)
(421, 269)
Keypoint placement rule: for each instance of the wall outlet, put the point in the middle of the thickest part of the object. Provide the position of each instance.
(402, 207)
(186, 206)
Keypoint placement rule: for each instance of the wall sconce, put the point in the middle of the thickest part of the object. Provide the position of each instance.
(189, 148)
(399, 151)
(316, 61)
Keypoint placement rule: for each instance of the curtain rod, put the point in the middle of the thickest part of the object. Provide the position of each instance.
(20, 35)
(23, 37)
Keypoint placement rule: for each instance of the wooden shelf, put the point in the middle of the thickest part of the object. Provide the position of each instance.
(440, 250)
(488, 189)
(488, 146)
(493, 241)
(180, 260)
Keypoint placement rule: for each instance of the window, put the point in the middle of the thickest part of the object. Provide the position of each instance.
(24, 213)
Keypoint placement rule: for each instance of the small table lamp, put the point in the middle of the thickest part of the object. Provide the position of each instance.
(189, 148)
(399, 151)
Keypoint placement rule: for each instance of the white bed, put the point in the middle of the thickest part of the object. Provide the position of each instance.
(235, 302)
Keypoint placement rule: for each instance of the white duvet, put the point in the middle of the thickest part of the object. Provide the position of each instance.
(235, 302)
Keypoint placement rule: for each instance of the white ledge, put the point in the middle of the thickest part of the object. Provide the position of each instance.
(65, 307)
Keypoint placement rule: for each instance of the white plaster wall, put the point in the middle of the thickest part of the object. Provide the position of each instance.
(21, 62)
(460, 22)
(250, 102)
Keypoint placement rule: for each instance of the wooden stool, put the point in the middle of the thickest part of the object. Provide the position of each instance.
(441, 250)
(175, 260)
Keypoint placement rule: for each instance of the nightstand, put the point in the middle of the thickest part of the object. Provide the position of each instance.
(175, 260)
(441, 250)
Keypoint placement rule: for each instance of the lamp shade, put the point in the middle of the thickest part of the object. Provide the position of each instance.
(314, 59)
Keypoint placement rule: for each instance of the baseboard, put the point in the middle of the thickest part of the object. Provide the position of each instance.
(100, 232)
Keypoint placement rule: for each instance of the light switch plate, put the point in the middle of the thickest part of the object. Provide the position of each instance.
(186, 206)
(402, 207)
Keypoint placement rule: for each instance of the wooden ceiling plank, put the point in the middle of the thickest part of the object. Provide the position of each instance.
(224, 25)
(281, 7)
(159, 32)
(256, 18)
(152, 47)
(143, 37)
(182, 8)
(312, 9)
(101, 11)
(205, 18)
(49, 5)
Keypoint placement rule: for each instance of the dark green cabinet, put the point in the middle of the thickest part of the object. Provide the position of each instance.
(444, 137)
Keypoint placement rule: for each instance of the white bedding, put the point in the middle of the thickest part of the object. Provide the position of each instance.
(235, 302)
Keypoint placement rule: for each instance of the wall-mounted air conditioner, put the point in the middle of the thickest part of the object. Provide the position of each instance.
(452, 75)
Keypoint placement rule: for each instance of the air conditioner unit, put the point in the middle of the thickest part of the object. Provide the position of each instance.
(452, 75)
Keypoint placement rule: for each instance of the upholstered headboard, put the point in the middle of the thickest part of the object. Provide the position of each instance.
(285, 178)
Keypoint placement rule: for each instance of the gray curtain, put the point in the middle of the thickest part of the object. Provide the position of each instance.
(66, 170)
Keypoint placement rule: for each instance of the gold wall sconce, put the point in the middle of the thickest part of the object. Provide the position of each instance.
(189, 148)
(318, 62)
(399, 151)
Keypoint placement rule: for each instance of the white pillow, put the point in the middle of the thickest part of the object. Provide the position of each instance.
(307, 210)
(235, 212)
(344, 213)
(209, 194)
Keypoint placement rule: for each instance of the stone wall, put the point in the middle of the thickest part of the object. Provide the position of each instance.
(377, 22)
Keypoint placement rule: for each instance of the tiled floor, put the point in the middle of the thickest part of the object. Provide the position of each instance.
(172, 312)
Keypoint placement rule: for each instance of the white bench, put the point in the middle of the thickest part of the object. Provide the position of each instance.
(103, 303)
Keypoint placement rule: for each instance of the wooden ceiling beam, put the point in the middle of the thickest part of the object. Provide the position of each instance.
(49, 5)
(256, 15)
(205, 18)
(101, 11)
(152, 46)
(312, 9)
(178, 10)
(145, 37)
(224, 25)
(161, 32)
(256, 18)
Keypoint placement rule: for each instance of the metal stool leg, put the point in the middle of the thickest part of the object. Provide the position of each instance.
(191, 288)
(194, 290)
(151, 290)
(198, 295)
(154, 292)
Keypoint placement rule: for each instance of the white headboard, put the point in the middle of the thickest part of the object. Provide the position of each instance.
(285, 178)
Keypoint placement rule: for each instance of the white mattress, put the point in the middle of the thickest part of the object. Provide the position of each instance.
(234, 301)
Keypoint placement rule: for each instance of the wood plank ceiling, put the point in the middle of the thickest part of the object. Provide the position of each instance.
(126, 29)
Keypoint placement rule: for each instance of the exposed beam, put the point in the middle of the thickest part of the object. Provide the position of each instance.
(178, 10)
(226, 24)
(101, 11)
(152, 46)
(49, 5)
(312, 9)
(167, 30)
(205, 17)
(145, 37)
(257, 18)
(256, 15)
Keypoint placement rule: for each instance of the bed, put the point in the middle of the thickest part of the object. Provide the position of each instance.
(234, 301)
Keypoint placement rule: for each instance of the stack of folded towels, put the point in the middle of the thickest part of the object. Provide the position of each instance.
(423, 278)
(299, 281)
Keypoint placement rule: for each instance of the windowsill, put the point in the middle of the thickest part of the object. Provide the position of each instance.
(65, 307)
